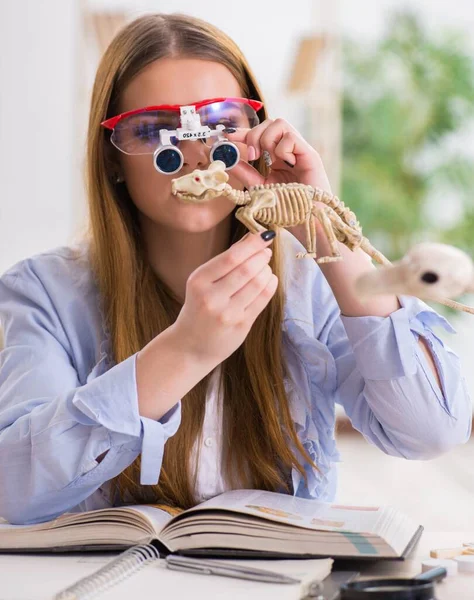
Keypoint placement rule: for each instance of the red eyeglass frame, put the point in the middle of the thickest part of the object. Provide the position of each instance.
(112, 122)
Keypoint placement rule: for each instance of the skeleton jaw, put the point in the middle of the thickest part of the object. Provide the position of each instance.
(193, 199)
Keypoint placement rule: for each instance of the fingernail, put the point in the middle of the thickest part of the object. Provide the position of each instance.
(267, 158)
(288, 163)
(251, 154)
(268, 235)
(230, 130)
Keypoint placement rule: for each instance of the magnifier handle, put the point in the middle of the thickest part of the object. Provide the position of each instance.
(434, 575)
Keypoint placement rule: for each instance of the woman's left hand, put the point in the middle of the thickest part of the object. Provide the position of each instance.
(284, 143)
(293, 159)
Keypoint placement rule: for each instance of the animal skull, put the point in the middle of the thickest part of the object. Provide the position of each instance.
(201, 186)
(428, 271)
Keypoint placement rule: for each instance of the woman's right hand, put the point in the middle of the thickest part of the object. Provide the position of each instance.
(223, 299)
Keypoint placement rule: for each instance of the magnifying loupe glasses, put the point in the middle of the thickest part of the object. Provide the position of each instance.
(169, 159)
(158, 130)
(421, 587)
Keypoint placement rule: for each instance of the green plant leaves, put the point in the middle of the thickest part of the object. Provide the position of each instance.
(405, 98)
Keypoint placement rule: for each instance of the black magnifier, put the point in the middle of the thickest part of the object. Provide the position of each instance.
(421, 587)
(169, 159)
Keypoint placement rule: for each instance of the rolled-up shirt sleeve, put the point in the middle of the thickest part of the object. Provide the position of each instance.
(389, 391)
(52, 429)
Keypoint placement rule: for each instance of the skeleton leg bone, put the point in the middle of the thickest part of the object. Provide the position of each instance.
(310, 228)
(321, 213)
(352, 238)
(245, 216)
(259, 199)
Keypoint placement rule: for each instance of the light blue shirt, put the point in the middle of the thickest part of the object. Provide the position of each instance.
(63, 402)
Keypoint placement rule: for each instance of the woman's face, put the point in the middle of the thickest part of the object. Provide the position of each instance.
(176, 81)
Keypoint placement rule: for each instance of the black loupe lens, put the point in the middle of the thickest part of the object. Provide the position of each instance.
(168, 160)
(227, 153)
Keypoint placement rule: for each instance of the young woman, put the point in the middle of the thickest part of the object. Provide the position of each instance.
(169, 357)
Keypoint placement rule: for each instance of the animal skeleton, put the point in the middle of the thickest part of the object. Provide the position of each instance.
(428, 270)
(286, 205)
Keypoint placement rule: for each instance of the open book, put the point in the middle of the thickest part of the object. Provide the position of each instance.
(245, 523)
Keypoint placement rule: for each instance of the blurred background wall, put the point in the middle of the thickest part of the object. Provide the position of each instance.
(402, 157)
(47, 63)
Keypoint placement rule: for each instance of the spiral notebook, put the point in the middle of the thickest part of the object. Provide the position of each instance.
(141, 568)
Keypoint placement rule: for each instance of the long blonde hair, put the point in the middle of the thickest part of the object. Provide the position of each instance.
(137, 306)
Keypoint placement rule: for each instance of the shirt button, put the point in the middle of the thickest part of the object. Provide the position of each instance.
(208, 442)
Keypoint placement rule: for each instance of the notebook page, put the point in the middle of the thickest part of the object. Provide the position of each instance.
(46, 574)
(157, 581)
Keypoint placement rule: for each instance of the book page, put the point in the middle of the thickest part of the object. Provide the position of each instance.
(116, 526)
(299, 512)
(4, 526)
(157, 514)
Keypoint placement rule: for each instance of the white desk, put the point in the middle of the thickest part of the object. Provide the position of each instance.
(459, 587)
(35, 577)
